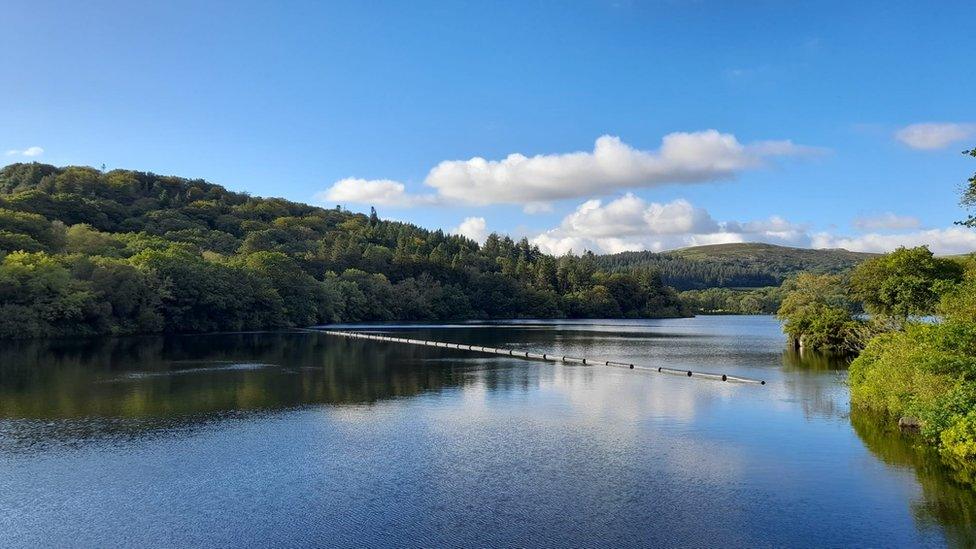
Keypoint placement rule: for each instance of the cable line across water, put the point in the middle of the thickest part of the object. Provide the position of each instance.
(544, 356)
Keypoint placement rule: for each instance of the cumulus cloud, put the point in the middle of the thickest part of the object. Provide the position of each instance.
(377, 192)
(611, 165)
(886, 221)
(934, 135)
(28, 152)
(474, 228)
(954, 240)
(629, 223)
(630, 216)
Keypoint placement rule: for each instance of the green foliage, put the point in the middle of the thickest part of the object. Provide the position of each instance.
(959, 439)
(39, 297)
(821, 311)
(969, 194)
(203, 295)
(82, 239)
(745, 265)
(959, 302)
(127, 252)
(926, 371)
(733, 300)
(818, 314)
(128, 298)
(904, 283)
(303, 298)
(17, 241)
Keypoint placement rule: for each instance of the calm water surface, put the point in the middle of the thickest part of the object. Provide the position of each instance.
(302, 439)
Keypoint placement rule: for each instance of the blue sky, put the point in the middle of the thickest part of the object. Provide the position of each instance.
(812, 124)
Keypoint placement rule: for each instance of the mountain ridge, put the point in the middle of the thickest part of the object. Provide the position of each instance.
(734, 265)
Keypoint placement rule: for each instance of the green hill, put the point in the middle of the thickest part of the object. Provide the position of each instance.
(86, 252)
(745, 265)
(778, 259)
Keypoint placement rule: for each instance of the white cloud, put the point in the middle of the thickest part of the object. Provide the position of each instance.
(611, 165)
(631, 216)
(935, 135)
(954, 240)
(474, 228)
(773, 229)
(886, 221)
(29, 152)
(631, 224)
(375, 192)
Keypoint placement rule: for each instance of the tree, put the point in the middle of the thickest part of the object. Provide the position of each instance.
(129, 299)
(818, 314)
(205, 295)
(969, 194)
(39, 297)
(301, 295)
(545, 274)
(904, 283)
(82, 239)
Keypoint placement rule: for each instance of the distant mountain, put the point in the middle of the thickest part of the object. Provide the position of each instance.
(746, 265)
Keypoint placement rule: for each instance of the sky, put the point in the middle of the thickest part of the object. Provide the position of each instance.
(607, 125)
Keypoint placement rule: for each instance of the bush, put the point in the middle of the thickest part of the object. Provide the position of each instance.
(928, 372)
(959, 440)
(817, 314)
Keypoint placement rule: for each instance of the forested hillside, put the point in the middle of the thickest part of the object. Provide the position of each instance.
(86, 252)
(747, 265)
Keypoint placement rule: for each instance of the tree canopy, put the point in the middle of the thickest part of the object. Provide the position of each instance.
(906, 282)
(85, 252)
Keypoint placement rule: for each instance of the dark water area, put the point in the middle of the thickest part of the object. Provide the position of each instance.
(302, 439)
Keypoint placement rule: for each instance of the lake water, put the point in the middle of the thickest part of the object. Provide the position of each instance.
(303, 439)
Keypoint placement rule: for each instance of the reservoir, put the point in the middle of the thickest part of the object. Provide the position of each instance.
(305, 439)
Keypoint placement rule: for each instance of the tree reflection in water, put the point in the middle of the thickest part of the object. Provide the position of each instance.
(807, 382)
(946, 502)
(127, 386)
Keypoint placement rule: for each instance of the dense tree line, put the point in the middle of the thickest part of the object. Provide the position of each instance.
(87, 252)
(736, 301)
(690, 274)
(744, 265)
